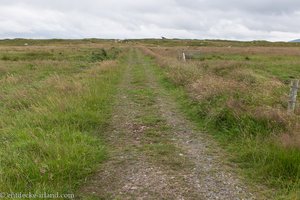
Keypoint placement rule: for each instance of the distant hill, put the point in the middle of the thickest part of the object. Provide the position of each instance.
(298, 40)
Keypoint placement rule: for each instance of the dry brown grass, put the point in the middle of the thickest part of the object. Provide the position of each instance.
(63, 85)
(210, 86)
(3, 68)
(277, 116)
(10, 79)
(290, 51)
(19, 99)
(101, 66)
(207, 79)
(291, 139)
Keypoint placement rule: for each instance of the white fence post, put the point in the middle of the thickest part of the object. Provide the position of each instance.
(183, 57)
(293, 96)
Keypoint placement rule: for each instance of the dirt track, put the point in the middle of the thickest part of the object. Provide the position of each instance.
(155, 152)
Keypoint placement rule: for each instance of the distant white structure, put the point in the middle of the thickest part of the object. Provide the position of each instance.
(183, 57)
(26, 44)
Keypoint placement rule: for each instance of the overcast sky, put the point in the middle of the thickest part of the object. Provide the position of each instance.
(211, 19)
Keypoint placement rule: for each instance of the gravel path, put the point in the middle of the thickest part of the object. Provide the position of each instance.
(140, 166)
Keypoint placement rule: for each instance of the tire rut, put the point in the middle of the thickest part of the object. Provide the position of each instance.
(128, 173)
(211, 176)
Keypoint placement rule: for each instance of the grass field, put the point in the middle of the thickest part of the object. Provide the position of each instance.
(55, 103)
(239, 94)
(57, 98)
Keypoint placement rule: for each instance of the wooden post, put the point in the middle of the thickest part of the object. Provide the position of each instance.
(293, 95)
(183, 57)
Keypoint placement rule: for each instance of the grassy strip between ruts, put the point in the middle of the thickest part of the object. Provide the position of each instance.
(260, 158)
(51, 141)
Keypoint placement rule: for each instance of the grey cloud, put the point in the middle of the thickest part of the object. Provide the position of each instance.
(230, 19)
(253, 6)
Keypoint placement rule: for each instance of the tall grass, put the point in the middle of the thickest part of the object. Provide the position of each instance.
(244, 107)
(53, 114)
